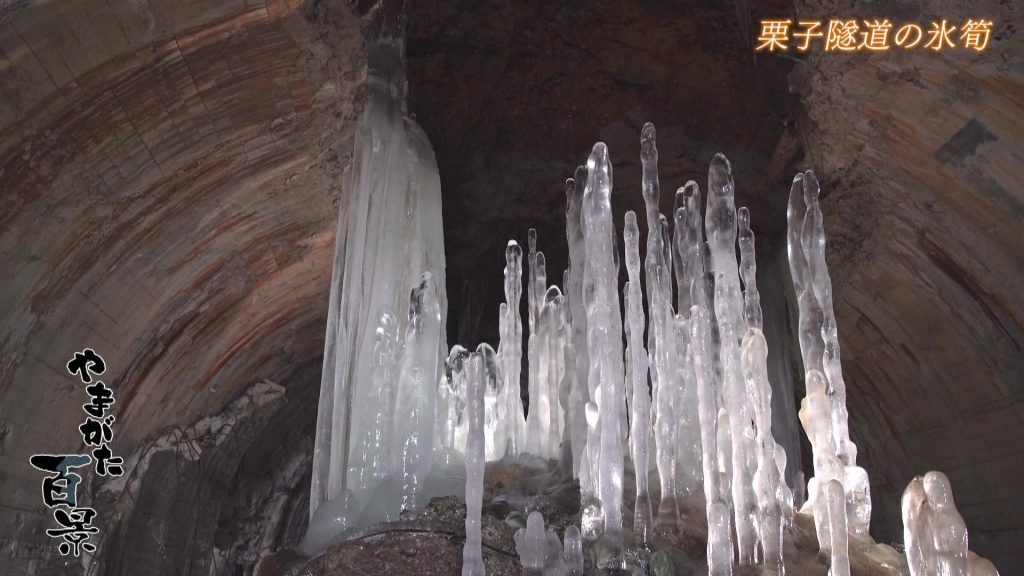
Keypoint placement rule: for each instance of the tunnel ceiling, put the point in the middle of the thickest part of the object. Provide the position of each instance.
(170, 174)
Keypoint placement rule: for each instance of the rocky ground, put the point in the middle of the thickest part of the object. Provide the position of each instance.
(428, 542)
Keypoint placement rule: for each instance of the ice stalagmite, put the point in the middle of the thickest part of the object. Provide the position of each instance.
(719, 547)
(688, 241)
(934, 533)
(661, 336)
(835, 510)
(949, 533)
(580, 394)
(720, 225)
(834, 454)
(573, 551)
(412, 444)
(531, 545)
(640, 408)
(472, 552)
(604, 339)
(855, 479)
(511, 351)
(554, 562)
(456, 366)
(917, 538)
(389, 232)
(770, 490)
(551, 355)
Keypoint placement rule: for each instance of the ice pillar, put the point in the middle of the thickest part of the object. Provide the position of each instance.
(389, 232)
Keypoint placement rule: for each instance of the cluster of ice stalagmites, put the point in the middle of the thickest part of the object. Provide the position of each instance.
(934, 533)
(678, 387)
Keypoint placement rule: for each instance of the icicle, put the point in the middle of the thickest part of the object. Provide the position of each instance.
(478, 379)
(640, 418)
(531, 545)
(770, 490)
(573, 551)
(605, 341)
(720, 226)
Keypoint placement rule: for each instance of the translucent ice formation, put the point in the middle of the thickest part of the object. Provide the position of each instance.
(472, 553)
(604, 340)
(532, 545)
(819, 346)
(720, 225)
(640, 419)
(573, 551)
(934, 533)
(774, 499)
(690, 392)
(512, 428)
(389, 233)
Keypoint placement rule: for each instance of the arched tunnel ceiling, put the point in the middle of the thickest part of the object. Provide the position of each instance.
(170, 175)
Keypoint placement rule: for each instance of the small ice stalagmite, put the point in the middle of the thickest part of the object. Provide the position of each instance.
(770, 490)
(934, 533)
(531, 545)
(949, 533)
(551, 351)
(554, 562)
(573, 551)
(839, 552)
(604, 339)
(456, 368)
(412, 444)
(640, 419)
(917, 539)
(720, 225)
(472, 552)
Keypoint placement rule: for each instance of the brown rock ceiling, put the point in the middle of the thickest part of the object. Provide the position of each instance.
(169, 176)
